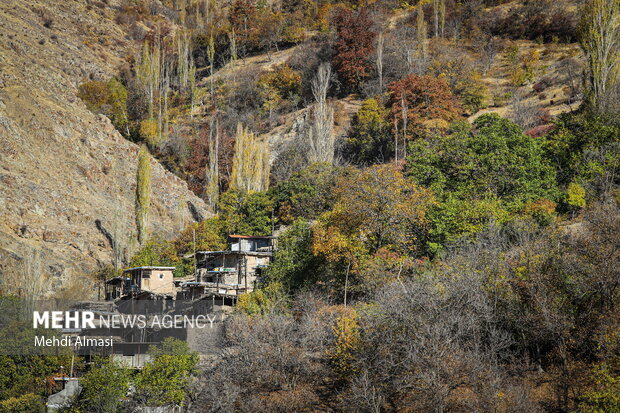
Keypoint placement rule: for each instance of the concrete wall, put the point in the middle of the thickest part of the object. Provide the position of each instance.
(158, 281)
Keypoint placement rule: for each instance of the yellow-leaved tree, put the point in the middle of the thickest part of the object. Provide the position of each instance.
(347, 341)
(251, 166)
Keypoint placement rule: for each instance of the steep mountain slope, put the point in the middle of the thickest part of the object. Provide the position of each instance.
(67, 177)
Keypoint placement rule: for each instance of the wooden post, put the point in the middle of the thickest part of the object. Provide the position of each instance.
(346, 283)
(239, 270)
(245, 270)
(195, 259)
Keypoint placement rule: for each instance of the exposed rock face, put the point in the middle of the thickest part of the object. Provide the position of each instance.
(67, 177)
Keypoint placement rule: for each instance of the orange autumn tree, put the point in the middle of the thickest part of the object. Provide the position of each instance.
(422, 103)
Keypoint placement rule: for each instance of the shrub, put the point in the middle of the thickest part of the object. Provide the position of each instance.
(576, 195)
(46, 18)
(108, 98)
(27, 403)
(346, 343)
(473, 93)
(283, 79)
(542, 84)
(542, 211)
(462, 73)
(149, 132)
(94, 93)
(262, 301)
(282, 83)
(523, 67)
(605, 396)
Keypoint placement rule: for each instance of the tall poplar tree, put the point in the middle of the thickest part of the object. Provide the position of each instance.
(251, 162)
(600, 40)
(143, 193)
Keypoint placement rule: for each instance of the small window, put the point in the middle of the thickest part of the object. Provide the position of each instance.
(161, 276)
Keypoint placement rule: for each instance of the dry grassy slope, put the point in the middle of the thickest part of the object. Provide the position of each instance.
(497, 80)
(554, 98)
(61, 167)
(292, 123)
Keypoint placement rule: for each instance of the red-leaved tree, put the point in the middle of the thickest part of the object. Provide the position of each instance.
(354, 46)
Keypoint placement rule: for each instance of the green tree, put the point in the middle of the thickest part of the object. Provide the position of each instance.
(307, 194)
(584, 148)
(294, 265)
(492, 159)
(210, 235)
(104, 387)
(376, 207)
(157, 252)
(164, 381)
(370, 139)
(246, 213)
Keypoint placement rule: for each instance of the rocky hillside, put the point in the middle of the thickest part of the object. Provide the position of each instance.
(67, 177)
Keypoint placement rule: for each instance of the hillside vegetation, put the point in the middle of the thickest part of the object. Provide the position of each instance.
(442, 174)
